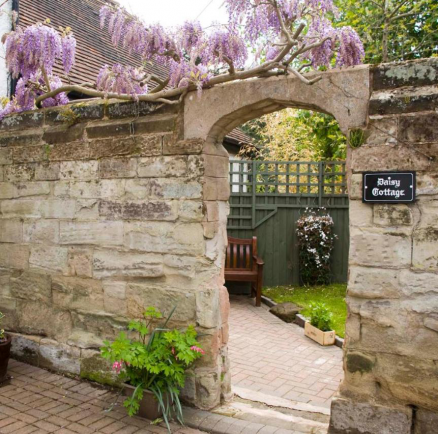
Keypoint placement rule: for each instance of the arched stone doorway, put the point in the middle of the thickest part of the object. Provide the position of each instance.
(386, 256)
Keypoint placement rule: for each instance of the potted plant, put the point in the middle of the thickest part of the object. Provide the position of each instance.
(152, 364)
(320, 326)
(5, 350)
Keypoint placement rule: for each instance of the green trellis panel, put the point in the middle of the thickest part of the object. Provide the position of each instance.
(268, 198)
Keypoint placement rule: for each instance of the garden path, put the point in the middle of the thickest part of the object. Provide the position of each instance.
(276, 359)
(38, 401)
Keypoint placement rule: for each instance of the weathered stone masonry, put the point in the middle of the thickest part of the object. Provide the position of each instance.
(391, 351)
(127, 208)
(100, 219)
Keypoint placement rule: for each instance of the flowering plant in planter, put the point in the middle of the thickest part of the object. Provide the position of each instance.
(320, 326)
(154, 361)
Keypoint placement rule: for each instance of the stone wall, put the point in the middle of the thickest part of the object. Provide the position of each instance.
(391, 347)
(104, 210)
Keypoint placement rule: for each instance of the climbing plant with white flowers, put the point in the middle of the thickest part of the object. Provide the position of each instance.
(316, 238)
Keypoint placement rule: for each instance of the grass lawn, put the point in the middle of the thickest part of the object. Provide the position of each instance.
(332, 295)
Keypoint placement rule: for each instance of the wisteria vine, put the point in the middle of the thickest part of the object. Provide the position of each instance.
(283, 37)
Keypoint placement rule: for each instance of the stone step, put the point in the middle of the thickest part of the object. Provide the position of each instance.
(216, 423)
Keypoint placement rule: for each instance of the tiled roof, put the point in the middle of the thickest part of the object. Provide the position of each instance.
(94, 48)
(238, 137)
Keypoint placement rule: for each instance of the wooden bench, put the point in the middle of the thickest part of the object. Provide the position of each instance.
(243, 264)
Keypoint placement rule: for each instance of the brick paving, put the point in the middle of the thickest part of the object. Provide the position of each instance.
(275, 358)
(38, 401)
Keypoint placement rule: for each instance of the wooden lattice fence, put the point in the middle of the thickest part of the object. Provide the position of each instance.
(267, 198)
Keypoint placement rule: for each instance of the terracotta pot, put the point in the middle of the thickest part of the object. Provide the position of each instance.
(149, 407)
(5, 350)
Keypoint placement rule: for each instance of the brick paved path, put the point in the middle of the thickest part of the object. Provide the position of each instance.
(275, 358)
(38, 401)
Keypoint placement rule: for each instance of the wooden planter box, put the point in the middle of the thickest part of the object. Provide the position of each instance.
(323, 338)
(149, 408)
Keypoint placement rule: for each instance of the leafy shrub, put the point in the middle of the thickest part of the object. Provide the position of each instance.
(315, 241)
(321, 317)
(156, 361)
(2, 332)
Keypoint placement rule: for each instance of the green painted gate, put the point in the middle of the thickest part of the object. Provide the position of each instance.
(267, 198)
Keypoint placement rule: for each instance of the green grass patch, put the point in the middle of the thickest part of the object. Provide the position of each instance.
(333, 296)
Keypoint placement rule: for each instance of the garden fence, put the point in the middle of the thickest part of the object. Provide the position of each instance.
(268, 197)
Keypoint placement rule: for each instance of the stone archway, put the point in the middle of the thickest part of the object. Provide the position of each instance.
(387, 263)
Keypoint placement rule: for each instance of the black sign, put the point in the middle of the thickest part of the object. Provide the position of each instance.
(388, 187)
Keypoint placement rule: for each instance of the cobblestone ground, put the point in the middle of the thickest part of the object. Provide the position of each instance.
(38, 401)
(275, 358)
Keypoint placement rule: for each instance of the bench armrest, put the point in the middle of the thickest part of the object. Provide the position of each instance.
(258, 261)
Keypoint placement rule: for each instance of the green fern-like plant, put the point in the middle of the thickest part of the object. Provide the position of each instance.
(156, 360)
(321, 317)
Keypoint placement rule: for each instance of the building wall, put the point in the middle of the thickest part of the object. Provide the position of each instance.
(5, 27)
(391, 345)
(100, 219)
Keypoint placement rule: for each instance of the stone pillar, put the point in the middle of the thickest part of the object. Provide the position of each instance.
(391, 345)
(104, 210)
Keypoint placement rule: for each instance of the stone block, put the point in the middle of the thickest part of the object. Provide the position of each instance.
(216, 188)
(355, 187)
(208, 388)
(85, 340)
(30, 285)
(87, 209)
(395, 75)
(92, 233)
(287, 312)
(14, 256)
(211, 209)
(112, 147)
(190, 211)
(361, 214)
(118, 168)
(28, 154)
(425, 249)
(426, 422)
(195, 166)
(382, 131)
(392, 215)
(5, 156)
(80, 111)
(184, 239)
(151, 124)
(41, 232)
(58, 209)
(69, 151)
(19, 172)
(412, 282)
(106, 129)
(22, 121)
(216, 167)
(427, 183)
(7, 190)
(26, 348)
(174, 189)
(379, 248)
(47, 171)
(63, 134)
(59, 357)
(122, 109)
(421, 128)
(11, 231)
(389, 157)
(181, 147)
(208, 308)
(29, 189)
(115, 297)
(81, 170)
(162, 167)
(139, 210)
(348, 416)
(20, 208)
(120, 264)
(39, 319)
(21, 138)
(148, 145)
(49, 258)
(2, 173)
(142, 295)
(374, 283)
(74, 293)
(80, 262)
(95, 368)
